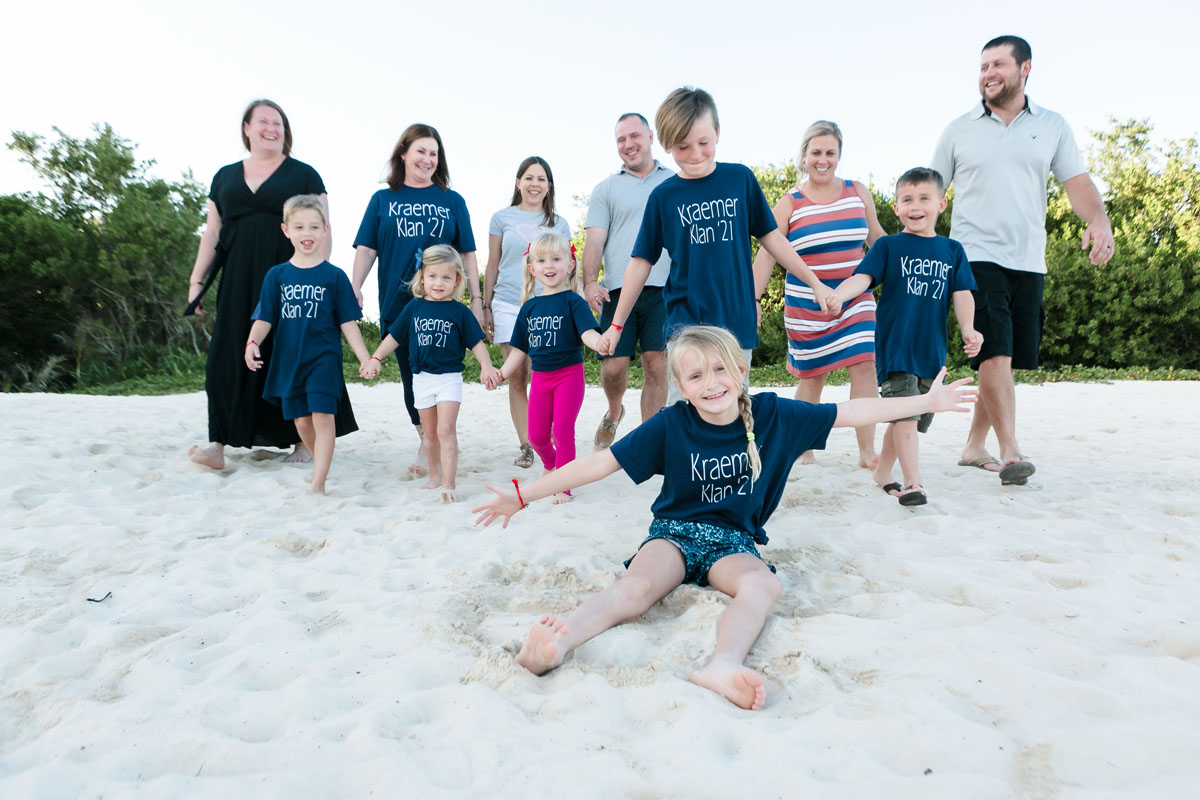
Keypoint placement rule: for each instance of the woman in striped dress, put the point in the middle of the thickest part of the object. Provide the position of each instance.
(827, 220)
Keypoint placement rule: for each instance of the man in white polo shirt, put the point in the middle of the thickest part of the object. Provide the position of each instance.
(614, 216)
(999, 156)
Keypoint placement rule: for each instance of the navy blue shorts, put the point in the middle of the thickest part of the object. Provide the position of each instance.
(1009, 314)
(305, 405)
(646, 322)
(701, 544)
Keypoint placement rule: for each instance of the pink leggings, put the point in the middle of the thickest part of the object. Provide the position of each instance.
(555, 398)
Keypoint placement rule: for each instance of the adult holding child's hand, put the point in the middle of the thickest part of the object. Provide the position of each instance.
(242, 240)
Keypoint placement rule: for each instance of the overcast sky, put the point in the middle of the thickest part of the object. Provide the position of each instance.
(502, 81)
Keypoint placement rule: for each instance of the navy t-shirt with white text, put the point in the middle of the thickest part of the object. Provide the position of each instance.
(706, 472)
(399, 225)
(549, 329)
(435, 333)
(705, 224)
(306, 307)
(919, 274)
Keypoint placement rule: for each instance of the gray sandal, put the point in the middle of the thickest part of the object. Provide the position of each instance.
(525, 460)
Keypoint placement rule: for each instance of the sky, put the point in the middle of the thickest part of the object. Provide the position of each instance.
(502, 81)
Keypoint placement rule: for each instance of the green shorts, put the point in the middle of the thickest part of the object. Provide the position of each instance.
(905, 384)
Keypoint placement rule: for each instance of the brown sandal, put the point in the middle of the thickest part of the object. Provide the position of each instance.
(525, 460)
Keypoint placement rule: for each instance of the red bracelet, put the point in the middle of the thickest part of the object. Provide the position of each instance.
(376, 358)
(518, 488)
(618, 327)
(251, 342)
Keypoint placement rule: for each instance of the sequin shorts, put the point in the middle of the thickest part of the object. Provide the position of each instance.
(701, 544)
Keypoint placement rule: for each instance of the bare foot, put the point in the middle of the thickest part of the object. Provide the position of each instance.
(807, 458)
(448, 495)
(563, 497)
(212, 456)
(317, 489)
(420, 467)
(542, 650)
(737, 683)
(434, 482)
(868, 460)
(299, 455)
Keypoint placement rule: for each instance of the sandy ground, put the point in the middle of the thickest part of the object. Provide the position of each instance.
(1023, 642)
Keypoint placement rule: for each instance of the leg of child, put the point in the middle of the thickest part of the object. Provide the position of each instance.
(904, 436)
(568, 399)
(809, 391)
(656, 569)
(863, 384)
(308, 434)
(433, 445)
(541, 411)
(420, 464)
(447, 436)
(753, 589)
(887, 458)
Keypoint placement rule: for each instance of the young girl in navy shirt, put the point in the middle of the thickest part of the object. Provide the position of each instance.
(724, 457)
(550, 328)
(308, 299)
(432, 332)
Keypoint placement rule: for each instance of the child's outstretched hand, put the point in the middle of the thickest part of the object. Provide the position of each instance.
(504, 504)
(370, 368)
(972, 341)
(253, 356)
(951, 396)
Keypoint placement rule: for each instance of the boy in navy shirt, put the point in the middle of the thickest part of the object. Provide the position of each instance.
(704, 218)
(307, 300)
(920, 273)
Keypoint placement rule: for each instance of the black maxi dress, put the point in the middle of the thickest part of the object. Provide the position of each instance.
(250, 243)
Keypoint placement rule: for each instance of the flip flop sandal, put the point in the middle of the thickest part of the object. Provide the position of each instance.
(888, 488)
(913, 496)
(982, 462)
(525, 460)
(1017, 473)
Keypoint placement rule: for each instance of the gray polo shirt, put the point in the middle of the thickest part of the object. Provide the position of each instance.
(999, 174)
(617, 205)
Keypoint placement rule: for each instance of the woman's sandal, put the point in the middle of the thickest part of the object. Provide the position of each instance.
(525, 460)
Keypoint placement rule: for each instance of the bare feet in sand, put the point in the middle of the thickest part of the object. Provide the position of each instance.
(543, 650)
(562, 497)
(299, 455)
(319, 491)
(447, 495)
(212, 456)
(868, 460)
(737, 683)
(807, 458)
(434, 482)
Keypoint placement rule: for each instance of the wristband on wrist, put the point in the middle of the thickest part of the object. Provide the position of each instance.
(518, 488)
(251, 342)
(376, 358)
(618, 327)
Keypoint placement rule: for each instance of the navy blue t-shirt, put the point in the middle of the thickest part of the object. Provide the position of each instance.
(919, 274)
(399, 225)
(705, 224)
(306, 307)
(549, 327)
(705, 469)
(435, 333)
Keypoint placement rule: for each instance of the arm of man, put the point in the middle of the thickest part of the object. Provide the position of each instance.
(593, 253)
(1087, 203)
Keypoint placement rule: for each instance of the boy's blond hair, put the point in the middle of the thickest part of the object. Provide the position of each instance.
(439, 254)
(301, 202)
(821, 127)
(679, 112)
(717, 344)
(545, 245)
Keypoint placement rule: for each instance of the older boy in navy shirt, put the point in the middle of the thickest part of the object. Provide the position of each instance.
(920, 273)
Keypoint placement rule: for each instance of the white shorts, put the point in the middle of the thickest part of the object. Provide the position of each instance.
(504, 319)
(431, 388)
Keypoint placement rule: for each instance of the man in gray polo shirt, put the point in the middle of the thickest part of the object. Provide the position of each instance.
(998, 156)
(614, 216)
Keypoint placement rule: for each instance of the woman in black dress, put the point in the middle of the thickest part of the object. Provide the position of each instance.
(243, 237)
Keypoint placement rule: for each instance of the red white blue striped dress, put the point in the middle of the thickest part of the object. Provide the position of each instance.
(829, 237)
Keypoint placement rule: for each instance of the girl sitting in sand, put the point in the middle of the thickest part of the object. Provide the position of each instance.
(550, 328)
(434, 330)
(308, 299)
(724, 456)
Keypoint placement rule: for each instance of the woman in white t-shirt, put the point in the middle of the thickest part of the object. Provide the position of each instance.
(512, 228)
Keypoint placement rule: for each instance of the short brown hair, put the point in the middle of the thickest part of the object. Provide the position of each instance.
(441, 175)
(287, 126)
(679, 112)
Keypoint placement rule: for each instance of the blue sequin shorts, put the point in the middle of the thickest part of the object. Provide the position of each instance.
(701, 544)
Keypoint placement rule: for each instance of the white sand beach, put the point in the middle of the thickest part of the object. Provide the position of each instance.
(1001, 642)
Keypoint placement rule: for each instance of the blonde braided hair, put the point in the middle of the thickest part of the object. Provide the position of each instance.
(717, 344)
